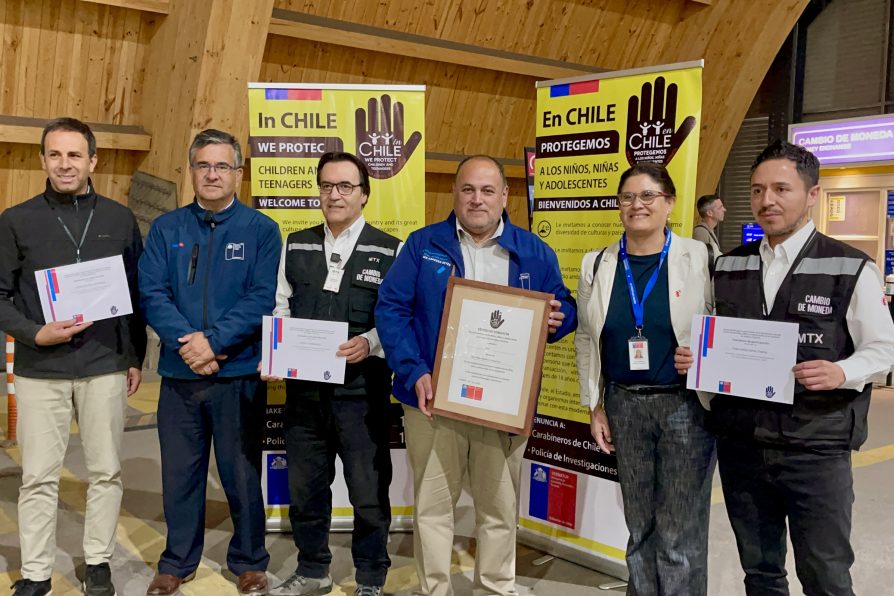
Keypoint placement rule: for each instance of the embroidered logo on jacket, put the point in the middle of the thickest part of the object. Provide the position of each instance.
(235, 251)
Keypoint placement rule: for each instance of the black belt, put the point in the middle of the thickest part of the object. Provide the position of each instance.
(649, 389)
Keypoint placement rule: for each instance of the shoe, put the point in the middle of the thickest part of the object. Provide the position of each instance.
(298, 585)
(98, 581)
(27, 587)
(364, 590)
(252, 583)
(165, 584)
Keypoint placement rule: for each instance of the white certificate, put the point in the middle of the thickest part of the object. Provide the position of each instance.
(491, 343)
(745, 357)
(303, 349)
(88, 291)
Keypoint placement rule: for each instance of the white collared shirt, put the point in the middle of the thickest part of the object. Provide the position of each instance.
(868, 319)
(488, 261)
(342, 245)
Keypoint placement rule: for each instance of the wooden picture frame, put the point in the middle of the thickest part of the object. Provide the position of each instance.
(478, 360)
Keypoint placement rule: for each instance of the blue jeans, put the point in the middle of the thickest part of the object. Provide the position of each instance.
(814, 491)
(190, 414)
(357, 429)
(665, 464)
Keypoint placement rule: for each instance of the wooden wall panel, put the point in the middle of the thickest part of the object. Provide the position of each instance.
(21, 177)
(468, 110)
(69, 58)
(199, 66)
(65, 57)
(610, 34)
(439, 199)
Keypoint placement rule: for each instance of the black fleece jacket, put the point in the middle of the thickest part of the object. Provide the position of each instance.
(31, 239)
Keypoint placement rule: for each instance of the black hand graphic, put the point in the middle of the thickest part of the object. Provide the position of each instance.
(382, 126)
(651, 121)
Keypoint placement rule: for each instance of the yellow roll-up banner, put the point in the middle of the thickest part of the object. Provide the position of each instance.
(291, 126)
(589, 130)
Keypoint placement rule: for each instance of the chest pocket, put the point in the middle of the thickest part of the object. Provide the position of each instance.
(302, 303)
(363, 302)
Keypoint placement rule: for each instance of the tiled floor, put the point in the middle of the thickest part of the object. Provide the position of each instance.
(141, 527)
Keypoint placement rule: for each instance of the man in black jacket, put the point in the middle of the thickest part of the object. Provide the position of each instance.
(63, 367)
(332, 272)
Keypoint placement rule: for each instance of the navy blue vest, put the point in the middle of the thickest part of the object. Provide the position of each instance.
(815, 294)
(306, 270)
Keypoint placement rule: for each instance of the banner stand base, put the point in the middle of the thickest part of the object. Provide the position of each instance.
(549, 545)
(612, 585)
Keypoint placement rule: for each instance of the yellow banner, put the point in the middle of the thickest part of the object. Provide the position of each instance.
(292, 125)
(588, 132)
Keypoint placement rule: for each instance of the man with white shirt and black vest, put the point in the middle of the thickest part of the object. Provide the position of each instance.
(781, 461)
(332, 272)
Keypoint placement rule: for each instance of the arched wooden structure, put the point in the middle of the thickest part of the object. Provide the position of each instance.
(150, 73)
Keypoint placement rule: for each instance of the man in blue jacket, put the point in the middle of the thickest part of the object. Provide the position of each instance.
(207, 276)
(476, 242)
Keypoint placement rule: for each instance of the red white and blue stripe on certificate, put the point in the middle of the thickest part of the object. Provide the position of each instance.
(52, 289)
(273, 344)
(705, 345)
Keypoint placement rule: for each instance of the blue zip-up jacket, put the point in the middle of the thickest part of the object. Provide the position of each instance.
(411, 297)
(232, 285)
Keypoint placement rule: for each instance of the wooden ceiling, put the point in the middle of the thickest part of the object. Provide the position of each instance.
(166, 68)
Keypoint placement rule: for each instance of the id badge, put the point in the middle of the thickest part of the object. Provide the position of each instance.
(638, 347)
(333, 280)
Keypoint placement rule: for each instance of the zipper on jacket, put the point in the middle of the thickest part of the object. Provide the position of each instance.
(207, 275)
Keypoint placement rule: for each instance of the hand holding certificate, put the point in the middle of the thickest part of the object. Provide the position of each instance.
(88, 291)
(744, 357)
(490, 354)
(303, 349)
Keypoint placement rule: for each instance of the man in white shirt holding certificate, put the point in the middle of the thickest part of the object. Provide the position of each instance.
(793, 462)
(477, 241)
(63, 366)
(332, 272)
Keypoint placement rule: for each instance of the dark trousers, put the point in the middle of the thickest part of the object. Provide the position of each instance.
(317, 428)
(190, 415)
(815, 491)
(665, 464)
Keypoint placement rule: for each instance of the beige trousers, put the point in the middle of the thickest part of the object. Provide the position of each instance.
(441, 452)
(45, 413)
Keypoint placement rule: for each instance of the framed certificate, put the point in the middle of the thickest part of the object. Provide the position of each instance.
(490, 355)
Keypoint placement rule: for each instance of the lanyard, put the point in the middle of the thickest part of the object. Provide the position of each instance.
(635, 301)
(68, 233)
(78, 245)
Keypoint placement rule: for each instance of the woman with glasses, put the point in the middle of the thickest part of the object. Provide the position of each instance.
(636, 299)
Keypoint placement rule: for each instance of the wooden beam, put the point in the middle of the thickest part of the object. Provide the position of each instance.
(445, 163)
(14, 129)
(159, 6)
(291, 23)
(201, 59)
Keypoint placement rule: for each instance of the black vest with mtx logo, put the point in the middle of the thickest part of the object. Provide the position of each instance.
(306, 270)
(815, 294)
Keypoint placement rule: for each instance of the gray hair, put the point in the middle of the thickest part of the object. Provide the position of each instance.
(212, 136)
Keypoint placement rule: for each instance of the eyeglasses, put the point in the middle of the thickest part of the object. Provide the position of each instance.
(343, 188)
(647, 197)
(221, 168)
